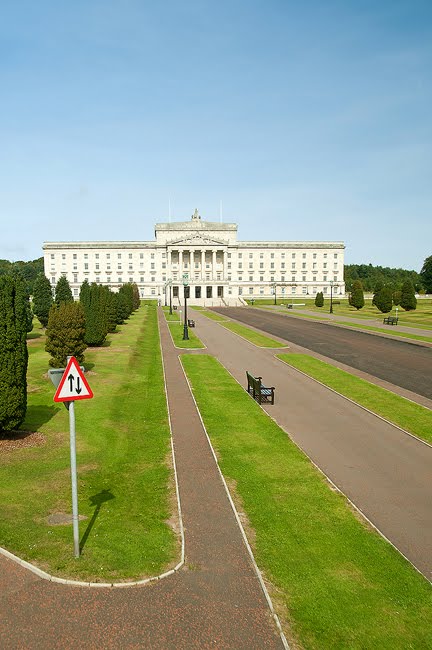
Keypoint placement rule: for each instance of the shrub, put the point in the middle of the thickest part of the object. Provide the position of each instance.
(408, 301)
(13, 351)
(319, 299)
(63, 291)
(357, 297)
(42, 298)
(384, 300)
(65, 333)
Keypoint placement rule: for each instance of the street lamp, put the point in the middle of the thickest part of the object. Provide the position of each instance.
(332, 284)
(274, 285)
(170, 286)
(185, 327)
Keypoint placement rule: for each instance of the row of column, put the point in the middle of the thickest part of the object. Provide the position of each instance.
(192, 259)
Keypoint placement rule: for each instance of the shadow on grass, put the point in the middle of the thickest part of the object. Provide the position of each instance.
(34, 335)
(96, 500)
(36, 416)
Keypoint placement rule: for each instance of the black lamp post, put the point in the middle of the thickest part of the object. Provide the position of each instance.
(170, 285)
(332, 284)
(185, 327)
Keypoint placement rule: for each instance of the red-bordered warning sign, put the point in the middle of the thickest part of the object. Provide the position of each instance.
(73, 385)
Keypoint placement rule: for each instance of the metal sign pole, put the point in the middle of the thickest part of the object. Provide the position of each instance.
(74, 479)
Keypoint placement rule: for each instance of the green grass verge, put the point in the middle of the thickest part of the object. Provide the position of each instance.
(409, 416)
(393, 332)
(123, 457)
(177, 329)
(175, 316)
(260, 340)
(341, 584)
(213, 315)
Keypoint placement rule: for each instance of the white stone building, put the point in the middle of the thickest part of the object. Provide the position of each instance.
(219, 269)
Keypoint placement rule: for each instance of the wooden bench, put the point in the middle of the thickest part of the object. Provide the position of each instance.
(259, 392)
(390, 320)
(191, 322)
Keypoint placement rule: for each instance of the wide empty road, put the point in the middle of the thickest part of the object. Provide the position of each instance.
(398, 362)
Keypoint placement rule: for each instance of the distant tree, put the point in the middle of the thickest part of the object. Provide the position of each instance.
(65, 333)
(112, 310)
(42, 298)
(379, 285)
(426, 274)
(319, 299)
(397, 297)
(408, 301)
(357, 297)
(126, 302)
(13, 351)
(63, 291)
(384, 300)
(95, 310)
(135, 296)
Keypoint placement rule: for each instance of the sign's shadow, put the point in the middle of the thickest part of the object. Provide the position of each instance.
(96, 500)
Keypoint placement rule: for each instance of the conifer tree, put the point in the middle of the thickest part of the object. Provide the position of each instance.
(65, 333)
(319, 299)
(135, 296)
(408, 301)
(426, 274)
(13, 352)
(42, 298)
(63, 292)
(112, 299)
(378, 286)
(126, 299)
(384, 300)
(357, 296)
(95, 306)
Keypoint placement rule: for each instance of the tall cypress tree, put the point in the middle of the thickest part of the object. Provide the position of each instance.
(13, 352)
(384, 300)
(357, 296)
(63, 292)
(135, 296)
(95, 309)
(112, 308)
(408, 301)
(65, 333)
(319, 299)
(42, 298)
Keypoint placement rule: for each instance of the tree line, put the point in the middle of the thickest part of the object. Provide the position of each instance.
(70, 328)
(393, 278)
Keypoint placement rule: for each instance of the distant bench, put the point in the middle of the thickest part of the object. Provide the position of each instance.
(191, 322)
(297, 304)
(390, 320)
(259, 392)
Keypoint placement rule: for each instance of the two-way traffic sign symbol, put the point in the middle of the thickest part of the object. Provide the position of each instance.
(73, 385)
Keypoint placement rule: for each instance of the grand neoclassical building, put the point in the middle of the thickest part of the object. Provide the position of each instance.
(218, 268)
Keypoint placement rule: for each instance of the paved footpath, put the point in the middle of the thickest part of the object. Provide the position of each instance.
(214, 601)
(384, 471)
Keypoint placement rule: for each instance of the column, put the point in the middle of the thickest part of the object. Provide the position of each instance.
(202, 264)
(180, 261)
(224, 267)
(214, 264)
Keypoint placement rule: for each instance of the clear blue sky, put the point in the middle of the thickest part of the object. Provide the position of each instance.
(309, 120)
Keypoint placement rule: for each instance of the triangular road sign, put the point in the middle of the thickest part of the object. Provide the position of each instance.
(73, 385)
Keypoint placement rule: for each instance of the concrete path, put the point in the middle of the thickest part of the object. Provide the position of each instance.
(214, 601)
(384, 471)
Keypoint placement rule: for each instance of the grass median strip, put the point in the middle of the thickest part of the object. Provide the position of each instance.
(177, 330)
(341, 585)
(260, 340)
(213, 315)
(123, 458)
(409, 416)
(393, 332)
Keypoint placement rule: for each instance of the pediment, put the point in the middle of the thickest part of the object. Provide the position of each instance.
(197, 240)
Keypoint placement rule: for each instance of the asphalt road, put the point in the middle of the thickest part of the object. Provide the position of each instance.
(398, 362)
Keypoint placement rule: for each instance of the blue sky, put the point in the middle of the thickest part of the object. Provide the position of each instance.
(310, 121)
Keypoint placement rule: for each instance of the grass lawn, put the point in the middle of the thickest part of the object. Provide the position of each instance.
(420, 317)
(125, 484)
(393, 331)
(213, 315)
(337, 582)
(177, 329)
(175, 316)
(260, 340)
(409, 416)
